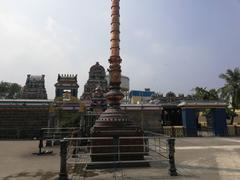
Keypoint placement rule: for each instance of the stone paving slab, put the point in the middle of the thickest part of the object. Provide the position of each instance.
(209, 158)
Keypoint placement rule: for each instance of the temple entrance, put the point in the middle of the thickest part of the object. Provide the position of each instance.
(66, 88)
(215, 123)
(205, 126)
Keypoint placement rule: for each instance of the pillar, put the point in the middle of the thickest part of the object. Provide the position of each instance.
(219, 122)
(189, 121)
(63, 175)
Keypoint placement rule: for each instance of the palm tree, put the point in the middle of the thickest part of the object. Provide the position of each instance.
(231, 89)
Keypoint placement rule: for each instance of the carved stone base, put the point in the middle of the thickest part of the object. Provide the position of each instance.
(121, 142)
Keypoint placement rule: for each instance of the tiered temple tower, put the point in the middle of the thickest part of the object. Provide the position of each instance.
(66, 85)
(34, 88)
(97, 77)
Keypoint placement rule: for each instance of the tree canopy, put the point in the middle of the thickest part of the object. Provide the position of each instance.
(204, 94)
(10, 90)
(231, 89)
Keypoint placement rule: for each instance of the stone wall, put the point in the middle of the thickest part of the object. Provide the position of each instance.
(22, 121)
(148, 120)
(237, 118)
(233, 130)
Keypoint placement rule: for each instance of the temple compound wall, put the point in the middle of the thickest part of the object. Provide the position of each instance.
(148, 117)
(23, 119)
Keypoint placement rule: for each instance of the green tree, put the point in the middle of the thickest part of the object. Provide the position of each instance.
(204, 94)
(231, 89)
(231, 114)
(10, 90)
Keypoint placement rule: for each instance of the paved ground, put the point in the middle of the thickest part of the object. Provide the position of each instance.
(18, 163)
(209, 158)
(196, 158)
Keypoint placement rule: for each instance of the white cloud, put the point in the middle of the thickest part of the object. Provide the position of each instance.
(41, 42)
(51, 37)
(143, 34)
(51, 24)
(157, 48)
(26, 49)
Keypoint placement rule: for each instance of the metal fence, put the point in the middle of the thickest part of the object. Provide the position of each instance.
(87, 121)
(78, 154)
(52, 136)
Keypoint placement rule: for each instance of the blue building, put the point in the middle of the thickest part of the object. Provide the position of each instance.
(140, 97)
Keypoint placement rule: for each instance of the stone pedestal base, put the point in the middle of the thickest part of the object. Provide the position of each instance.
(117, 144)
(118, 140)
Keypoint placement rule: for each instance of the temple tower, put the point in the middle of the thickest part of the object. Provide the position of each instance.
(97, 77)
(34, 87)
(66, 87)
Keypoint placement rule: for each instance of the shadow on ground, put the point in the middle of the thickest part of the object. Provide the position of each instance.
(40, 175)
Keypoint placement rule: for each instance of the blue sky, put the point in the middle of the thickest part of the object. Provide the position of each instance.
(165, 44)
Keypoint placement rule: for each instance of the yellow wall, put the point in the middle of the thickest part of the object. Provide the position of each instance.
(237, 119)
(136, 99)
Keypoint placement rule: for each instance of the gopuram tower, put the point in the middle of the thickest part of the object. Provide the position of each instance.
(114, 122)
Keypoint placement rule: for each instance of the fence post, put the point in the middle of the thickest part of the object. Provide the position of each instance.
(63, 175)
(49, 143)
(173, 131)
(235, 130)
(116, 148)
(171, 146)
(184, 132)
(40, 146)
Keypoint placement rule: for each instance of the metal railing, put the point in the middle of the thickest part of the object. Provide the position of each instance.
(87, 121)
(78, 154)
(59, 133)
(52, 136)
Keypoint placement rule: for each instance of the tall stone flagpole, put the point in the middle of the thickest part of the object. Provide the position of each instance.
(115, 96)
(114, 116)
(114, 122)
